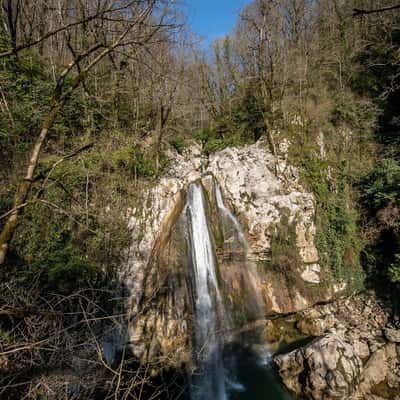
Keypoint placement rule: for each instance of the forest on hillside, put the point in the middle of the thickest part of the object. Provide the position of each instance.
(96, 94)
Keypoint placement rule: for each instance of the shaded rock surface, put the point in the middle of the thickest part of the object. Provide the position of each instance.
(393, 335)
(360, 325)
(327, 368)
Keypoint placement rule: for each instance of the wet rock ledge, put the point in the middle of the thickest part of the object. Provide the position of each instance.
(355, 353)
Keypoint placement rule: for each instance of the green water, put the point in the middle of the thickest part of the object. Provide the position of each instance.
(247, 377)
(256, 380)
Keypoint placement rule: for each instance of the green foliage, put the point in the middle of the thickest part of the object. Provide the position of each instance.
(139, 162)
(241, 123)
(29, 88)
(51, 249)
(211, 140)
(394, 270)
(76, 227)
(247, 117)
(4, 40)
(66, 272)
(380, 197)
(379, 79)
(381, 186)
(6, 201)
(179, 143)
(359, 114)
(338, 239)
(284, 251)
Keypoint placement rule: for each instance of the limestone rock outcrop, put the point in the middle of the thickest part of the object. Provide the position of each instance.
(157, 271)
(327, 368)
(313, 322)
(366, 329)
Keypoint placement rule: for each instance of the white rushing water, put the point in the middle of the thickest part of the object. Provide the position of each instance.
(217, 377)
(209, 383)
(228, 213)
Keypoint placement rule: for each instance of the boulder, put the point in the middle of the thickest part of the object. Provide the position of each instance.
(375, 370)
(393, 376)
(315, 323)
(311, 273)
(328, 368)
(361, 349)
(392, 335)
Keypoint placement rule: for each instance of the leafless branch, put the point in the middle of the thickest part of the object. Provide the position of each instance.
(357, 11)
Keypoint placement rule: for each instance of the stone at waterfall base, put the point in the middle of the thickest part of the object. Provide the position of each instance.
(329, 365)
(392, 335)
(355, 355)
(314, 323)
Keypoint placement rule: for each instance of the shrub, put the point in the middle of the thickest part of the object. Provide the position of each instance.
(242, 123)
(338, 239)
(65, 271)
(284, 251)
(212, 141)
(29, 87)
(394, 270)
(359, 114)
(140, 163)
(380, 195)
(179, 143)
(381, 185)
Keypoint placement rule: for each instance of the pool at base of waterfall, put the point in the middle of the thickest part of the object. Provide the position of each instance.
(255, 378)
(231, 366)
(249, 375)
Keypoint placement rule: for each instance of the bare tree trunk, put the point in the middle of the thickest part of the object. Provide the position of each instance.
(23, 190)
(159, 136)
(12, 10)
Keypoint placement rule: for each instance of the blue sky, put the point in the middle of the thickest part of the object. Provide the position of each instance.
(213, 18)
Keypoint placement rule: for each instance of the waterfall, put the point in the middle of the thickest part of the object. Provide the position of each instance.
(209, 383)
(228, 214)
(216, 377)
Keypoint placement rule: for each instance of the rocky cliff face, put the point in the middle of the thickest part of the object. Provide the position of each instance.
(276, 254)
(355, 354)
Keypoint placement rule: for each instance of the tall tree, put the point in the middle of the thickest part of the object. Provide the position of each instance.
(115, 28)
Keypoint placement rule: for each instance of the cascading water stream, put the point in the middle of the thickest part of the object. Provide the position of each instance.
(248, 269)
(219, 356)
(228, 213)
(209, 384)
